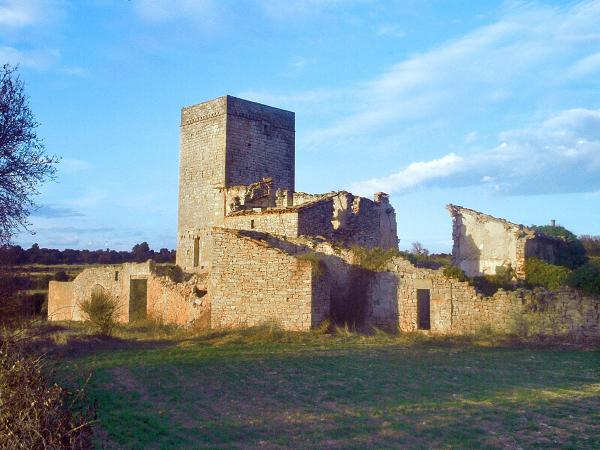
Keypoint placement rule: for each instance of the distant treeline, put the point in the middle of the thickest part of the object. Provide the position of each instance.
(15, 254)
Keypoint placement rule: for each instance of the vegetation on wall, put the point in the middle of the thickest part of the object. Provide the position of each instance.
(374, 259)
(455, 272)
(586, 278)
(573, 253)
(550, 276)
(540, 273)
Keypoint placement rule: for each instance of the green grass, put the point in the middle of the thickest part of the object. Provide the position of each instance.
(158, 387)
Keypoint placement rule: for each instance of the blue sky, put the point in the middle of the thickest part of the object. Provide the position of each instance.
(492, 105)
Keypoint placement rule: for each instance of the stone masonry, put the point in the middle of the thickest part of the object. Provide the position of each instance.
(250, 250)
(226, 142)
(486, 245)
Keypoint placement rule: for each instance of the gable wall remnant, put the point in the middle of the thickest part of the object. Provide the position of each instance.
(486, 245)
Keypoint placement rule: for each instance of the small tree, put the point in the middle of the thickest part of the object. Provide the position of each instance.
(102, 311)
(418, 249)
(23, 162)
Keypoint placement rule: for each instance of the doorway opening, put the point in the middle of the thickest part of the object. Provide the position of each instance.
(138, 299)
(423, 309)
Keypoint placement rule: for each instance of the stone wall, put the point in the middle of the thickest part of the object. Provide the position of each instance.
(226, 142)
(315, 219)
(260, 144)
(60, 300)
(114, 280)
(183, 303)
(364, 222)
(485, 245)
(201, 174)
(457, 308)
(281, 222)
(252, 282)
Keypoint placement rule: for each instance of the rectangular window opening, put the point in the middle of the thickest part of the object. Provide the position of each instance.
(423, 309)
(252, 224)
(196, 252)
(116, 275)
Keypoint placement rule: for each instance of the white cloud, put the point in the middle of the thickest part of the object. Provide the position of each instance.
(414, 175)
(560, 155)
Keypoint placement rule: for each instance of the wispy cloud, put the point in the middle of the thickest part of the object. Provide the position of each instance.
(390, 30)
(16, 14)
(560, 155)
(54, 212)
(586, 66)
(510, 58)
(36, 59)
(301, 62)
(71, 165)
(19, 13)
(207, 14)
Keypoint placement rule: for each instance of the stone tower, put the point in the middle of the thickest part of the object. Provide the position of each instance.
(226, 142)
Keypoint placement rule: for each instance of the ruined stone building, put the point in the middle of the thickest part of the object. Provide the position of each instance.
(251, 249)
(486, 245)
(237, 171)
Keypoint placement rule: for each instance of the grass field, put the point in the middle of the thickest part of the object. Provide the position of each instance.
(265, 388)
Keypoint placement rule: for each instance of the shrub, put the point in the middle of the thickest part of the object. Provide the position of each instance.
(572, 254)
(455, 272)
(489, 284)
(35, 414)
(586, 278)
(101, 310)
(540, 273)
(61, 275)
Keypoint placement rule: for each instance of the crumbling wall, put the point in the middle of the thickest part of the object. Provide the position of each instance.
(486, 245)
(314, 219)
(247, 197)
(252, 282)
(278, 222)
(364, 222)
(114, 280)
(182, 303)
(60, 300)
(483, 244)
(457, 308)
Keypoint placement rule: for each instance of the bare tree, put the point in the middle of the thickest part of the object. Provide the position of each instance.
(418, 249)
(24, 165)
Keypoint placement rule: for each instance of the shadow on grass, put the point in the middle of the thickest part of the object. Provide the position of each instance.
(265, 387)
(386, 396)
